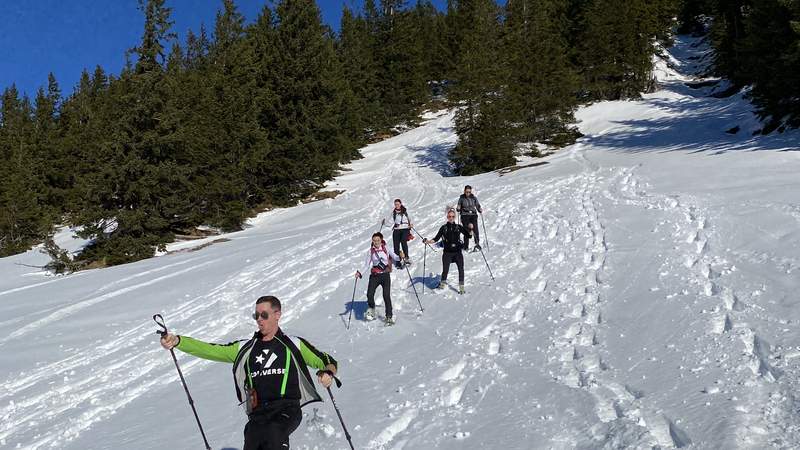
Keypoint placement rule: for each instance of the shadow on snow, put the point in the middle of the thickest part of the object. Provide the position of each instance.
(434, 156)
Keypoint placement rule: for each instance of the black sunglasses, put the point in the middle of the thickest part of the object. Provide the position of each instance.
(264, 315)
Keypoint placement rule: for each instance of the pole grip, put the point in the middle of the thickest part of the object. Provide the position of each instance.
(159, 320)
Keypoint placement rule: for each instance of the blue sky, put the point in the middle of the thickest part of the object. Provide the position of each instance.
(66, 36)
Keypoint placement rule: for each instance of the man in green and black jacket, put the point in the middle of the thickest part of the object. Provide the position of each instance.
(270, 373)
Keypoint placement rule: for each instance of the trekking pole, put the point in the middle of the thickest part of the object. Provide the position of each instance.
(424, 252)
(352, 304)
(159, 320)
(346, 433)
(485, 236)
(487, 264)
(383, 222)
(415, 289)
(423, 239)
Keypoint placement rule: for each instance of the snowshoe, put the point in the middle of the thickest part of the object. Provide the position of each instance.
(369, 316)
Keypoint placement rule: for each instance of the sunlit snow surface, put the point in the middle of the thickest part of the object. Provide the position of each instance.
(646, 295)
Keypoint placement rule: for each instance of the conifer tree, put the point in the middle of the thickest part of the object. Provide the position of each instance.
(401, 79)
(307, 139)
(25, 216)
(239, 143)
(355, 48)
(83, 128)
(47, 146)
(614, 49)
(542, 85)
(136, 212)
(757, 44)
(479, 69)
(770, 52)
(450, 31)
(727, 33)
(479, 77)
(197, 46)
(429, 31)
(689, 16)
(485, 143)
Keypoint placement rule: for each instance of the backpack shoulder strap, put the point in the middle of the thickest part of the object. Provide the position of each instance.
(373, 253)
(388, 258)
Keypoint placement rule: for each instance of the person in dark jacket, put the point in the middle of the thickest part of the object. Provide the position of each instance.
(470, 207)
(400, 232)
(270, 373)
(451, 233)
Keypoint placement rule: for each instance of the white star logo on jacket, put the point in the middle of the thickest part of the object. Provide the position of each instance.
(260, 358)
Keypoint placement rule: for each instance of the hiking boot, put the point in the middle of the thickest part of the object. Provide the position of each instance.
(407, 261)
(461, 289)
(478, 247)
(390, 321)
(369, 315)
(442, 284)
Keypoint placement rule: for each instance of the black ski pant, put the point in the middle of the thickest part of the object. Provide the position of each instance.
(384, 280)
(270, 428)
(467, 219)
(455, 257)
(400, 238)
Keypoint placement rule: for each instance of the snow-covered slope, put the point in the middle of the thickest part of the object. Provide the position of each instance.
(645, 295)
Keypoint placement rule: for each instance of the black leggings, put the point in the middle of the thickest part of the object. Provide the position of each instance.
(457, 258)
(400, 237)
(471, 219)
(270, 430)
(383, 280)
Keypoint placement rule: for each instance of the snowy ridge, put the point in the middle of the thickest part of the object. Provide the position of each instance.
(645, 297)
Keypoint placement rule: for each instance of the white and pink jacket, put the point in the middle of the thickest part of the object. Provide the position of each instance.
(382, 254)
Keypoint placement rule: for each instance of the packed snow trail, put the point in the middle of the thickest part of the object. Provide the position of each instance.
(646, 296)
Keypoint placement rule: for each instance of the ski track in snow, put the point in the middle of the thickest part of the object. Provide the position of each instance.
(727, 326)
(552, 251)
